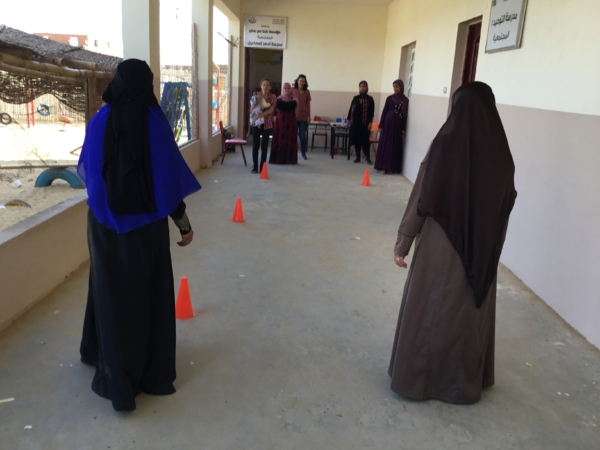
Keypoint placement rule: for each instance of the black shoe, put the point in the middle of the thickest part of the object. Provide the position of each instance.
(304, 157)
(369, 162)
(254, 171)
(357, 160)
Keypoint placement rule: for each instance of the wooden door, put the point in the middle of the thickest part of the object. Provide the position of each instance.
(470, 66)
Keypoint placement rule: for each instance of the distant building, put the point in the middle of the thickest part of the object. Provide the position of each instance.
(85, 41)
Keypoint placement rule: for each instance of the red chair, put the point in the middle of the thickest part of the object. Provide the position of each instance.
(320, 133)
(232, 141)
(374, 140)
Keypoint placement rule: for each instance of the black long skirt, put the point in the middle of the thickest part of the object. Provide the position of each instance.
(129, 325)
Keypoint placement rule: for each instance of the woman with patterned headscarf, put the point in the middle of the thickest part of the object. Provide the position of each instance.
(284, 148)
(458, 213)
(136, 178)
(392, 127)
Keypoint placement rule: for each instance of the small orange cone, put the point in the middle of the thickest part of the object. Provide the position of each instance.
(238, 214)
(183, 305)
(264, 174)
(366, 179)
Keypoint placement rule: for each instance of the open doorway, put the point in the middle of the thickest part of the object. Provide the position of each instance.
(261, 63)
(465, 54)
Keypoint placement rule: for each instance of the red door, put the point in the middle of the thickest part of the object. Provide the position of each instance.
(470, 66)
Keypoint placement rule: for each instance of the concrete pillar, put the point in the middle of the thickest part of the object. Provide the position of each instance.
(202, 16)
(238, 107)
(141, 34)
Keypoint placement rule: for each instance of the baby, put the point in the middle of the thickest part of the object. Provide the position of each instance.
(257, 107)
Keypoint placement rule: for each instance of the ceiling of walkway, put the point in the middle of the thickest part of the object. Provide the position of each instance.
(366, 2)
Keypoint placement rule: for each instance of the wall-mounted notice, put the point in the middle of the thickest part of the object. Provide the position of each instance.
(506, 25)
(265, 32)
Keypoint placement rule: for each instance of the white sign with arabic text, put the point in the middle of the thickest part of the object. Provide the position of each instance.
(506, 25)
(265, 32)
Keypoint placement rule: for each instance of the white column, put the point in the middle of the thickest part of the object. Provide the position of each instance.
(141, 34)
(202, 16)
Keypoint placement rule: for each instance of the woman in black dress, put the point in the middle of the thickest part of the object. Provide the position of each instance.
(360, 115)
(135, 177)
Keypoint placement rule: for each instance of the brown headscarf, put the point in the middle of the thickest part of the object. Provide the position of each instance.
(468, 186)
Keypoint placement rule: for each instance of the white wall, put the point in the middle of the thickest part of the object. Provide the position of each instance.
(558, 66)
(548, 96)
(335, 45)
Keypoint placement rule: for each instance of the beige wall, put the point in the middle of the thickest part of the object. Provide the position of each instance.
(548, 99)
(334, 45)
(38, 253)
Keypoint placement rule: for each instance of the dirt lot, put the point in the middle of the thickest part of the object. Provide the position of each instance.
(35, 146)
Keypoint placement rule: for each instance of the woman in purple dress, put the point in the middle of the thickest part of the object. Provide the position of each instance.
(284, 148)
(393, 128)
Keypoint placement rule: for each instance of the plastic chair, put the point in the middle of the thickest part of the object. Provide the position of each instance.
(320, 133)
(232, 141)
(374, 141)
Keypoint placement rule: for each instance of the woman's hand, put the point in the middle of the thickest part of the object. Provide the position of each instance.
(186, 239)
(399, 260)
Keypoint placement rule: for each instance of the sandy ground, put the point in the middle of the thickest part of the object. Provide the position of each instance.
(41, 144)
(46, 141)
(38, 198)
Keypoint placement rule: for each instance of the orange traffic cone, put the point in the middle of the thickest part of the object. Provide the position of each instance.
(264, 174)
(238, 214)
(366, 179)
(183, 305)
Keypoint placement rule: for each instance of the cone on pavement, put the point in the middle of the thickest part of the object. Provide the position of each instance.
(366, 179)
(238, 214)
(183, 305)
(264, 173)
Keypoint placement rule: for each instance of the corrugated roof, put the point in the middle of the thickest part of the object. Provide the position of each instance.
(17, 39)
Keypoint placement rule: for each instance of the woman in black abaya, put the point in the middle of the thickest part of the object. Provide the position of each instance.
(135, 177)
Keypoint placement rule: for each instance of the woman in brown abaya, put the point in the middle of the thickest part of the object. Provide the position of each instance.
(458, 215)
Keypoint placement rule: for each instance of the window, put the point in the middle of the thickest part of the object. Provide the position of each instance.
(177, 86)
(221, 79)
(407, 67)
(410, 65)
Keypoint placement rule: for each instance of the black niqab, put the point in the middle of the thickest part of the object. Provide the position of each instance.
(468, 186)
(126, 165)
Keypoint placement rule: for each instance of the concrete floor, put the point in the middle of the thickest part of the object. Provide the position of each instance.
(291, 347)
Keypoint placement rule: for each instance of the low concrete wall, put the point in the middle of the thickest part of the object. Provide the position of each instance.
(37, 254)
(191, 152)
